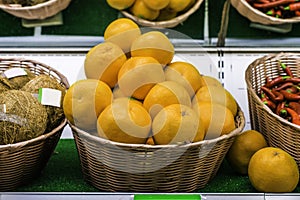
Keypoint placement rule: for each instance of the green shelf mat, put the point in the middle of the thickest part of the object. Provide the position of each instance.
(63, 174)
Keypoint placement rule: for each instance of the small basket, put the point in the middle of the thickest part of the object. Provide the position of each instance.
(257, 16)
(113, 166)
(277, 131)
(39, 11)
(22, 162)
(167, 23)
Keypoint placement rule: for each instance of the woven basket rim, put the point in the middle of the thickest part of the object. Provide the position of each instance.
(37, 6)
(61, 76)
(270, 19)
(235, 132)
(166, 23)
(250, 88)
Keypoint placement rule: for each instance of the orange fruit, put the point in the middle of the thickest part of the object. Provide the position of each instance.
(164, 94)
(242, 149)
(209, 80)
(186, 74)
(140, 10)
(120, 4)
(157, 4)
(176, 124)
(218, 119)
(122, 32)
(125, 121)
(273, 170)
(138, 75)
(218, 95)
(84, 101)
(154, 44)
(103, 62)
(178, 5)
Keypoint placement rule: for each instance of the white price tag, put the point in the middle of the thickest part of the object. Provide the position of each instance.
(50, 97)
(14, 72)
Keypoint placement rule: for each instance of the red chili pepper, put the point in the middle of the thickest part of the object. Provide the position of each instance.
(297, 12)
(293, 80)
(284, 86)
(294, 115)
(290, 96)
(279, 97)
(295, 106)
(286, 69)
(278, 14)
(268, 102)
(273, 4)
(280, 109)
(269, 93)
(293, 6)
(276, 81)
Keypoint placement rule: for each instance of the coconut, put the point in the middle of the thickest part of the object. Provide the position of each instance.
(4, 85)
(22, 117)
(55, 114)
(18, 82)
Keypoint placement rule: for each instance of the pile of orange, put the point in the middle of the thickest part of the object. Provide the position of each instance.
(154, 10)
(135, 93)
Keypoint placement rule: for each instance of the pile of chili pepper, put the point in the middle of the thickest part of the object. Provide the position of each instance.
(277, 8)
(282, 95)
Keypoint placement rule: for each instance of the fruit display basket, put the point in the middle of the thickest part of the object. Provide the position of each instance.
(255, 15)
(278, 131)
(38, 11)
(113, 166)
(22, 162)
(166, 23)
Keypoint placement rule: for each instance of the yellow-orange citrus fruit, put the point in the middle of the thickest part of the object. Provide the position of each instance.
(120, 4)
(218, 119)
(176, 124)
(140, 10)
(273, 170)
(217, 95)
(125, 121)
(157, 4)
(186, 74)
(154, 44)
(242, 149)
(164, 94)
(138, 75)
(84, 101)
(209, 80)
(122, 32)
(103, 62)
(178, 5)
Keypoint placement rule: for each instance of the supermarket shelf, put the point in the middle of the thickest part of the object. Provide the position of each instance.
(130, 196)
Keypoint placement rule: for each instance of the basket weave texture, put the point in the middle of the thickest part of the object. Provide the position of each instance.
(167, 23)
(39, 11)
(257, 16)
(22, 162)
(112, 166)
(277, 131)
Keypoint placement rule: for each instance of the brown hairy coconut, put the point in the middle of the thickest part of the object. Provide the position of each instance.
(22, 117)
(55, 114)
(19, 81)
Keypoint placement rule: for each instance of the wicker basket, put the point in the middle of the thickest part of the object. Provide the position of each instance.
(277, 131)
(167, 23)
(257, 16)
(112, 166)
(39, 11)
(22, 162)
